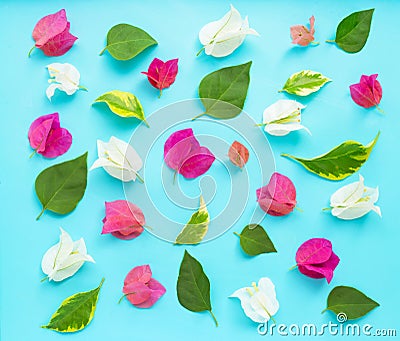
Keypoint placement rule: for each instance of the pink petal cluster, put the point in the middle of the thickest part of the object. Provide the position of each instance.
(123, 220)
(278, 197)
(367, 93)
(316, 259)
(141, 289)
(238, 154)
(183, 153)
(301, 35)
(52, 36)
(161, 75)
(47, 137)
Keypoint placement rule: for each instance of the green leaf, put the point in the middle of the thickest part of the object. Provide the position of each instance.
(349, 301)
(353, 31)
(254, 240)
(61, 187)
(340, 162)
(126, 41)
(196, 228)
(304, 83)
(193, 286)
(224, 91)
(75, 312)
(123, 104)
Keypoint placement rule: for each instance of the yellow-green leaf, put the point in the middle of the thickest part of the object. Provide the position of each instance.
(304, 83)
(196, 228)
(123, 104)
(75, 312)
(340, 162)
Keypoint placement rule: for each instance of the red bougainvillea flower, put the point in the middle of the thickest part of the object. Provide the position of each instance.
(161, 75)
(316, 259)
(141, 289)
(303, 36)
(183, 153)
(367, 93)
(47, 137)
(51, 34)
(278, 197)
(123, 220)
(238, 154)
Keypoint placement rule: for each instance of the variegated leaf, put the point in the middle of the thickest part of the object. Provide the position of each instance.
(340, 162)
(304, 83)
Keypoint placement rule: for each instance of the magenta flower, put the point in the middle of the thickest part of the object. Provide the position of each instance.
(123, 220)
(183, 153)
(141, 289)
(278, 197)
(316, 259)
(367, 93)
(47, 138)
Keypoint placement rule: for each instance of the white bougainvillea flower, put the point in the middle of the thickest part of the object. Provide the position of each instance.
(354, 201)
(118, 159)
(64, 77)
(258, 301)
(283, 117)
(65, 258)
(220, 38)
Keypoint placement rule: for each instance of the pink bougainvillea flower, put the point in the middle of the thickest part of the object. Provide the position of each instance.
(367, 93)
(51, 34)
(141, 289)
(316, 259)
(123, 220)
(47, 137)
(238, 154)
(301, 35)
(278, 197)
(161, 75)
(183, 153)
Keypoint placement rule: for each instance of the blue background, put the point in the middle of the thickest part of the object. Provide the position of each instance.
(368, 247)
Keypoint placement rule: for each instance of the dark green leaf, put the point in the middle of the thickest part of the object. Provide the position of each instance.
(193, 286)
(125, 41)
(349, 301)
(75, 312)
(353, 31)
(196, 228)
(61, 187)
(224, 91)
(254, 240)
(340, 162)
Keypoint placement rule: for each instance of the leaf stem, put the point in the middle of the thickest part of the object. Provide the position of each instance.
(139, 178)
(327, 209)
(237, 234)
(293, 267)
(315, 43)
(299, 209)
(326, 309)
(123, 296)
(199, 115)
(281, 90)
(174, 180)
(214, 318)
(81, 87)
(101, 282)
(31, 50)
(40, 214)
(146, 123)
(380, 110)
(159, 96)
(43, 279)
(102, 51)
(33, 153)
(260, 125)
(330, 41)
(200, 51)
